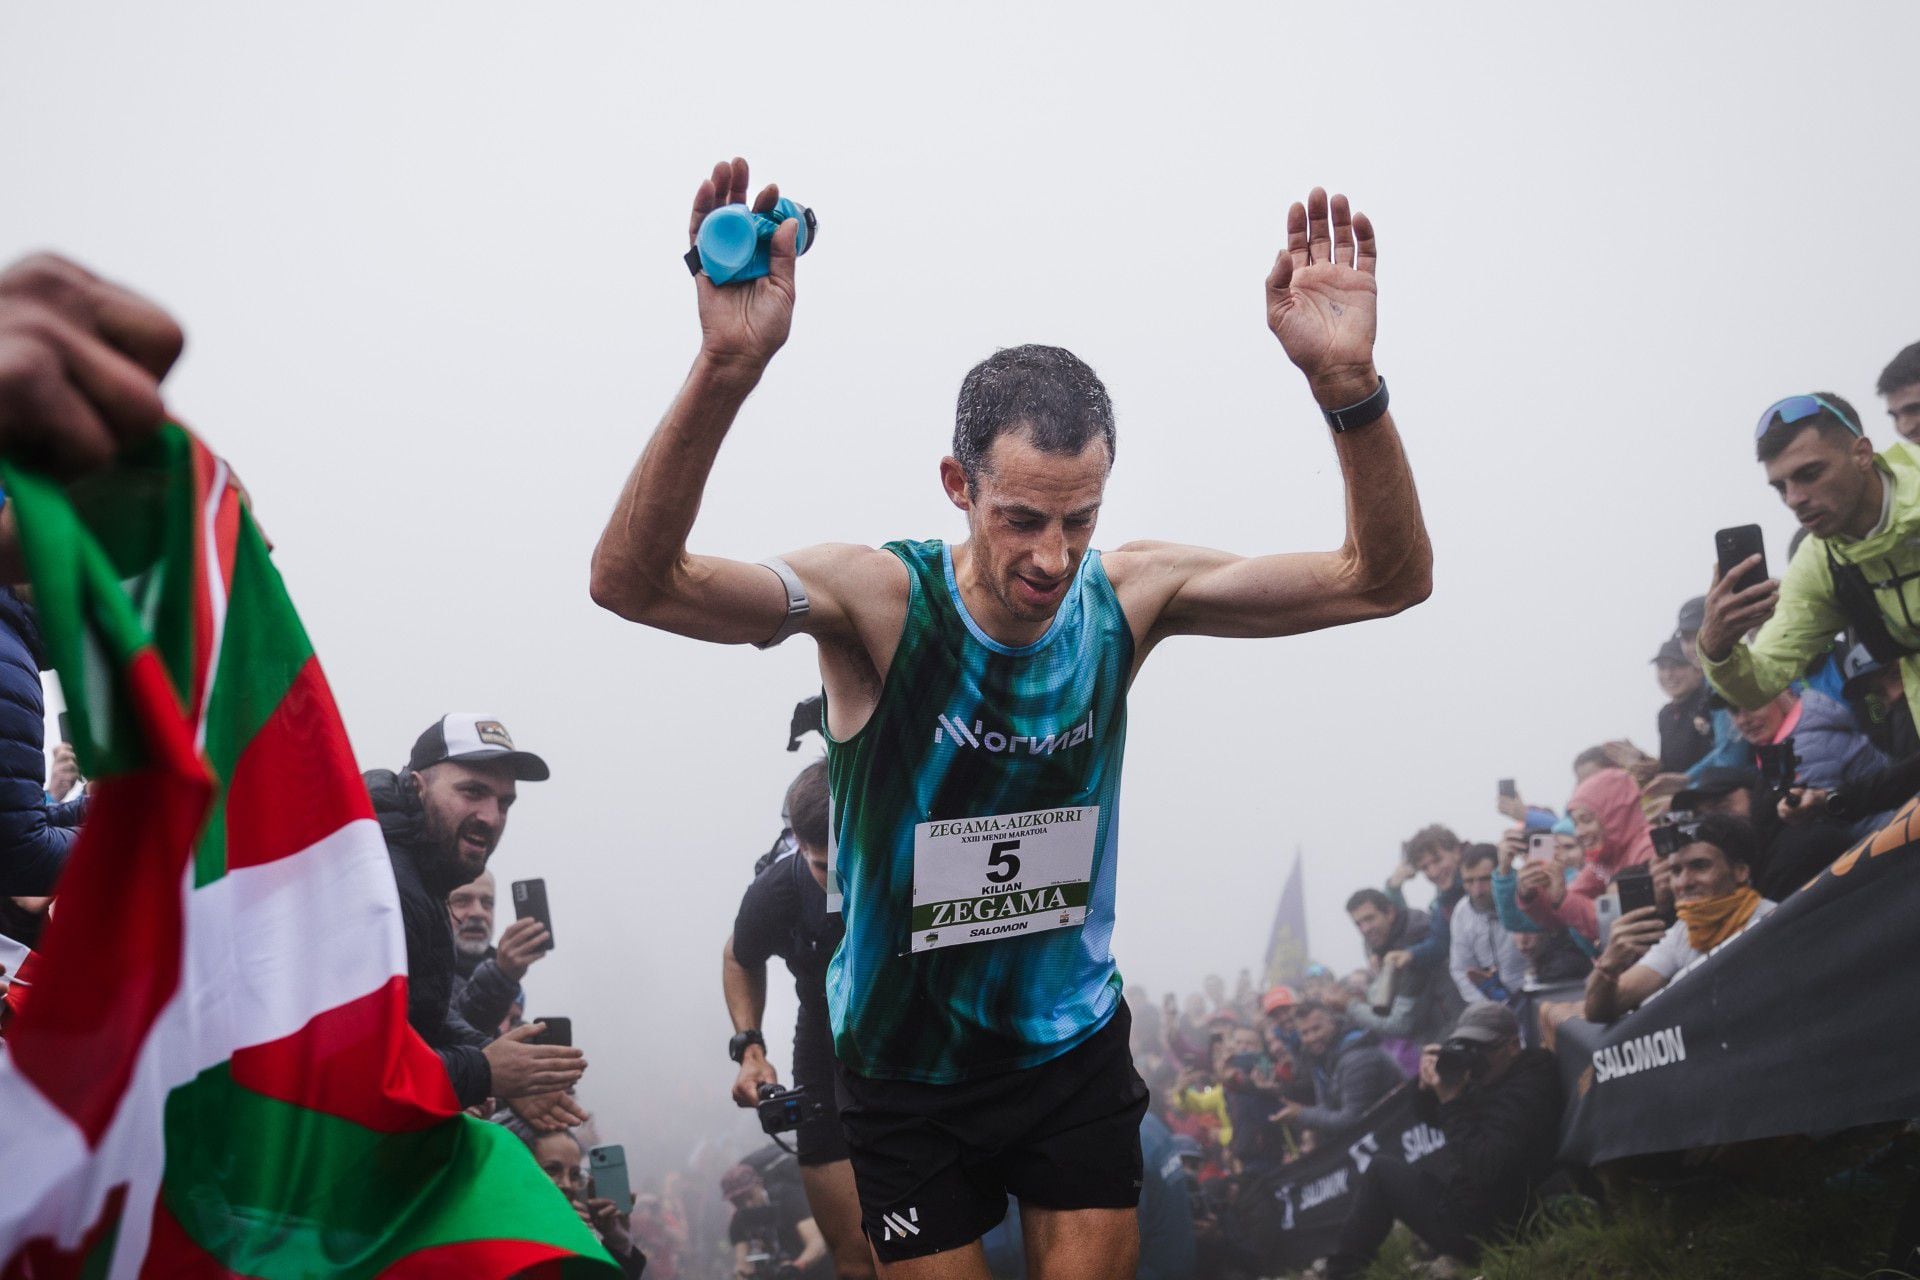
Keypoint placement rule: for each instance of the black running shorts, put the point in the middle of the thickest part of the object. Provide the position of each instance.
(819, 1139)
(935, 1163)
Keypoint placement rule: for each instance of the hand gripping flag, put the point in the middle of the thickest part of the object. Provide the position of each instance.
(213, 1074)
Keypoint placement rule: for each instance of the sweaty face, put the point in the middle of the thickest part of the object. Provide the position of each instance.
(1701, 871)
(471, 906)
(1903, 406)
(1760, 725)
(1030, 518)
(1827, 483)
(1677, 679)
(465, 806)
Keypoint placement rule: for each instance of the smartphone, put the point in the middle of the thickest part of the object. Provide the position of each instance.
(1606, 910)
(558, 1031)
(1542, 847)
(530, 899)
(1507, 790)
(608, 1167)
(66, 728)
(1736, 544)
(1636, 889)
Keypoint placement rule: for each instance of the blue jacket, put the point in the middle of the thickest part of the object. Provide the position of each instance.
(35, 836)
(1830, 746)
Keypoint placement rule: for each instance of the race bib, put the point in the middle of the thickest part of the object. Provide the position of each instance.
(1006, 876)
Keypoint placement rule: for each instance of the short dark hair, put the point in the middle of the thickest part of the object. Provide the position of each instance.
(1048, 391)
(1370, 898)
(1781, 434)
(807, 806)
(1432, 836)
(1475, 854)
(1903, 371)
(1306, 1007)
(1731, 836)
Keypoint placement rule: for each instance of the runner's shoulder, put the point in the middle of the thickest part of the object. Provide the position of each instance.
(1148, 560)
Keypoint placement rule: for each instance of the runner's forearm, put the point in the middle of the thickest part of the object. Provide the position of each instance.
(1387, 548)
(644, 546)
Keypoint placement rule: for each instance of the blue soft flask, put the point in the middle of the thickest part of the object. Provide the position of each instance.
(735, 242)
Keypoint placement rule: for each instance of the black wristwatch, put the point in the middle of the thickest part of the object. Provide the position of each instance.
(1370, 410)
(737, 1047)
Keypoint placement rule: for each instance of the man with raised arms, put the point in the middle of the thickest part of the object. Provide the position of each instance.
(976, 719)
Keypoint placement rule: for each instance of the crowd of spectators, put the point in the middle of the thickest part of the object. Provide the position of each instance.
(1788, 735)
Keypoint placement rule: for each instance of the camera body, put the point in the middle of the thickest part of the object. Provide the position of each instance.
(1670, 838)
(1779, 767)
(1460, 1061)
(784, 1110)
(734, 243)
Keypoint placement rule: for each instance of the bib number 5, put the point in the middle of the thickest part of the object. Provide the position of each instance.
(1004, 860)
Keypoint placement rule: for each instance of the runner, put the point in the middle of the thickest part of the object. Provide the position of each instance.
(976, 718)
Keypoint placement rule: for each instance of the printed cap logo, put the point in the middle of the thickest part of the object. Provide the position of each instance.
(493, 733)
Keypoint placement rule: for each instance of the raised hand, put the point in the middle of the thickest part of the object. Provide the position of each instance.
(747, 321)
(1321, 298)
(81, 360)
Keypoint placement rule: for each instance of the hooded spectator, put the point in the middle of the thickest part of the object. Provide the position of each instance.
(1613, 832)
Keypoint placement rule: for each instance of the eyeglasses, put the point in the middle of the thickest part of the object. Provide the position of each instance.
(1798, 409)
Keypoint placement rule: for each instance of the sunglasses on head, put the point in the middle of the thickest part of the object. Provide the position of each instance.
(1798, 409)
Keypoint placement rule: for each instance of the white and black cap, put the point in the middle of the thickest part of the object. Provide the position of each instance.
(468, 737)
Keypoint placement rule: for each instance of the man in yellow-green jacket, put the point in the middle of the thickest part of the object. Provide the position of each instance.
(1859, 567)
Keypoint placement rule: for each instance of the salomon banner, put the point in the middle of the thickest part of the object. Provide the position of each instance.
(1805, 1023)
(1291, 1218)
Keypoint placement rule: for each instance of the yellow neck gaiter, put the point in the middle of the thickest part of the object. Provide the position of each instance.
(1711, 921)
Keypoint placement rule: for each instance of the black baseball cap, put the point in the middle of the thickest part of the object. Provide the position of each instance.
(1670, 651)
(468, 737)
(1692, 614)
(1486, 1023)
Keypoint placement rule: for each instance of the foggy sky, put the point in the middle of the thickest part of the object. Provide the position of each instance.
(428, 260)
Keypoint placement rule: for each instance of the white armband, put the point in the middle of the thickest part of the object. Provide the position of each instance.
(797, 604)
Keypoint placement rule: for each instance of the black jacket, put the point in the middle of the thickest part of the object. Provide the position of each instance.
(35, 836)
(1356, 1074)
(482, 994)
(430, 956)
(1501, 1140)
(1686, 730)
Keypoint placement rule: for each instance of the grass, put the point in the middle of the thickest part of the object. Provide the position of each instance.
(1799, 1212)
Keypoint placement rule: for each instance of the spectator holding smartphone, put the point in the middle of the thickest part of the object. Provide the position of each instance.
(1711, 877)
(443, 816)
(1859, 568)
(486, 980)
(1613, 834)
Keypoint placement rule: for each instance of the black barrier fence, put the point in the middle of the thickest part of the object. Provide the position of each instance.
(1290, 1218)
(1807, 1023)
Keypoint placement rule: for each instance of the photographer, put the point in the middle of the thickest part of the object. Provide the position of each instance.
(784, 913)
(772, 1239)
(1711, 876)
(1499, 1107)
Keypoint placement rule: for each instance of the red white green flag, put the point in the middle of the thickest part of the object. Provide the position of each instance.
(213, 1074)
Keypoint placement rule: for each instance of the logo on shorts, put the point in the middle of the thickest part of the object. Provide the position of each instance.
(905, 1225)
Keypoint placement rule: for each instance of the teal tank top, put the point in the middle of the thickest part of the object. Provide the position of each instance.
(975, 821)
